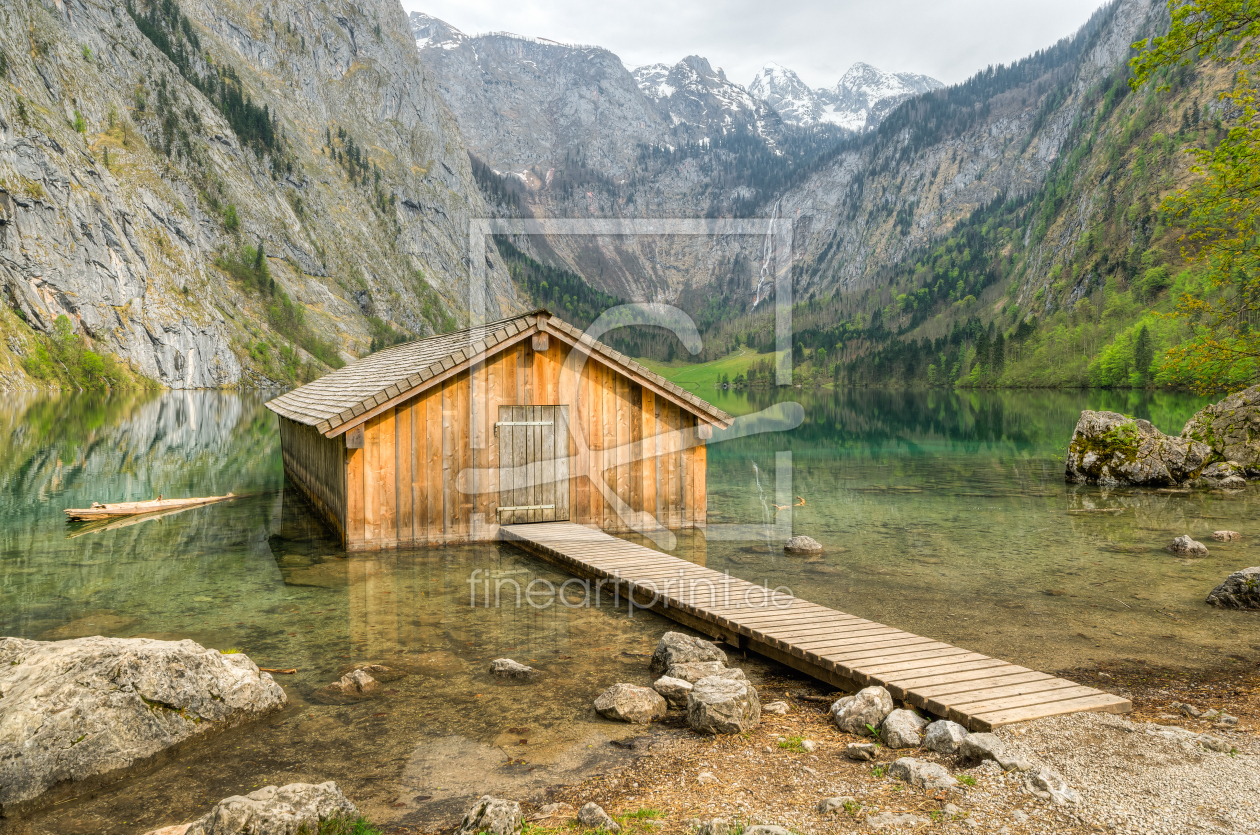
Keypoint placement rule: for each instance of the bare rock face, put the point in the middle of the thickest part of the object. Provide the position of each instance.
(719, 705)
(1232, 428)
(86, 709)
(869, 706)
(631, 703)
(297, 807)
(493, 815)
(1241, 590)
(1110, 449)
(677, 648)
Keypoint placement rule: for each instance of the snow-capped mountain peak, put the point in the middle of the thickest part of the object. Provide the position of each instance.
(693, 92)
(860, 101)
(431, 33)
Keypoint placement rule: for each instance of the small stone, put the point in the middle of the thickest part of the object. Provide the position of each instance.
(922, 775)
(832, 804)
(677, 648)
(673, 690)
(989, 747)
(1187, 547)
(861, 751)
(594, 816)
(723, 706)
(944, 737)
(951, 811)
(494, 815)
(1048, 784)
(1188, 709)
(704, 778)
(766, 829)
(693, 671)
(1215, 743)
(1226, 720)
(802, 545)
(779, 708)
(869, 706)
(552, 810)
(1210, 714)
(901, 729)
(884, 820)
(631, 703)
(809, 745)
(1226, 536)
(358, 683)
(717, 826)
(507, 668)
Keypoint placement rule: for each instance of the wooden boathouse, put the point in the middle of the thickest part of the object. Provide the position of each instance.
(523, 420)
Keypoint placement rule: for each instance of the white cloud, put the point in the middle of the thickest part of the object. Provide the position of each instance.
(947, 39)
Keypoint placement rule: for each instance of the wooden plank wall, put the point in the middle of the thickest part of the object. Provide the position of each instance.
(403, 487)
(314, 465)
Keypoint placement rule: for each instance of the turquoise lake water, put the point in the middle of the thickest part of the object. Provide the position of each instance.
(941, 513)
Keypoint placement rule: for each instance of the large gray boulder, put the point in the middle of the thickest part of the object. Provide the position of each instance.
(1223, 475)
(631, 703)
(89, 708)
(1241, 590)
(922, 775)
(493, 815)
(944, 736)
(677, 648)
(719, 705)
(693, 671)
(1231, 428)
(1111, 449)
(869, 706)
(901, 729)
(673, 690)
(286, 810)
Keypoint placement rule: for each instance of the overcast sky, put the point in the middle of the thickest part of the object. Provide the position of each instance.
(819, 39)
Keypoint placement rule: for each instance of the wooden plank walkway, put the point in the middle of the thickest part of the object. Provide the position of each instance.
(974, 690)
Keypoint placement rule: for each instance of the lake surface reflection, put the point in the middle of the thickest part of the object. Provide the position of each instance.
(944, 514)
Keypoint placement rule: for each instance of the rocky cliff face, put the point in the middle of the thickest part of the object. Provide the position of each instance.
(855, 207)
(122, 183)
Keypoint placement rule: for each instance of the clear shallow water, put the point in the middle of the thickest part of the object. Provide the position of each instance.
(942, 514)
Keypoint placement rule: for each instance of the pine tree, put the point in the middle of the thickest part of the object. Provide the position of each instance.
(1143, 355)
(998, 359)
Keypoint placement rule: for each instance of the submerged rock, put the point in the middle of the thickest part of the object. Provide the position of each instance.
(509, 669)
(1187, 547)
(297, 807)
(1241, 590)
(869, 706)
(631, 703)
(1226, 536)
(803, 545)
(88, 708)
(723, 706)
(354, 686)
(677, 648)
(1232, 428)
(493, 815)
(1110, 449)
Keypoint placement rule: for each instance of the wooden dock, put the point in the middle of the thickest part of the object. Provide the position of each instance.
(974, 690)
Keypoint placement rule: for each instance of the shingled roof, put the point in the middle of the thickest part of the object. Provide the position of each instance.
(336, 399)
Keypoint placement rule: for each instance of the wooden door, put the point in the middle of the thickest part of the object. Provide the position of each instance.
(533, 464)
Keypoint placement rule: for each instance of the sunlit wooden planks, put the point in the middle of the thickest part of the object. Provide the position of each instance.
(968, 687)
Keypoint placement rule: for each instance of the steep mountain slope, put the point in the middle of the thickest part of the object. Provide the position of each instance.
(146, 152)
(702, 104)
(862, 98)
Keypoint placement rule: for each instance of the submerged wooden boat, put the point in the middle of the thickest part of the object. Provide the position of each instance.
(158, 505)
